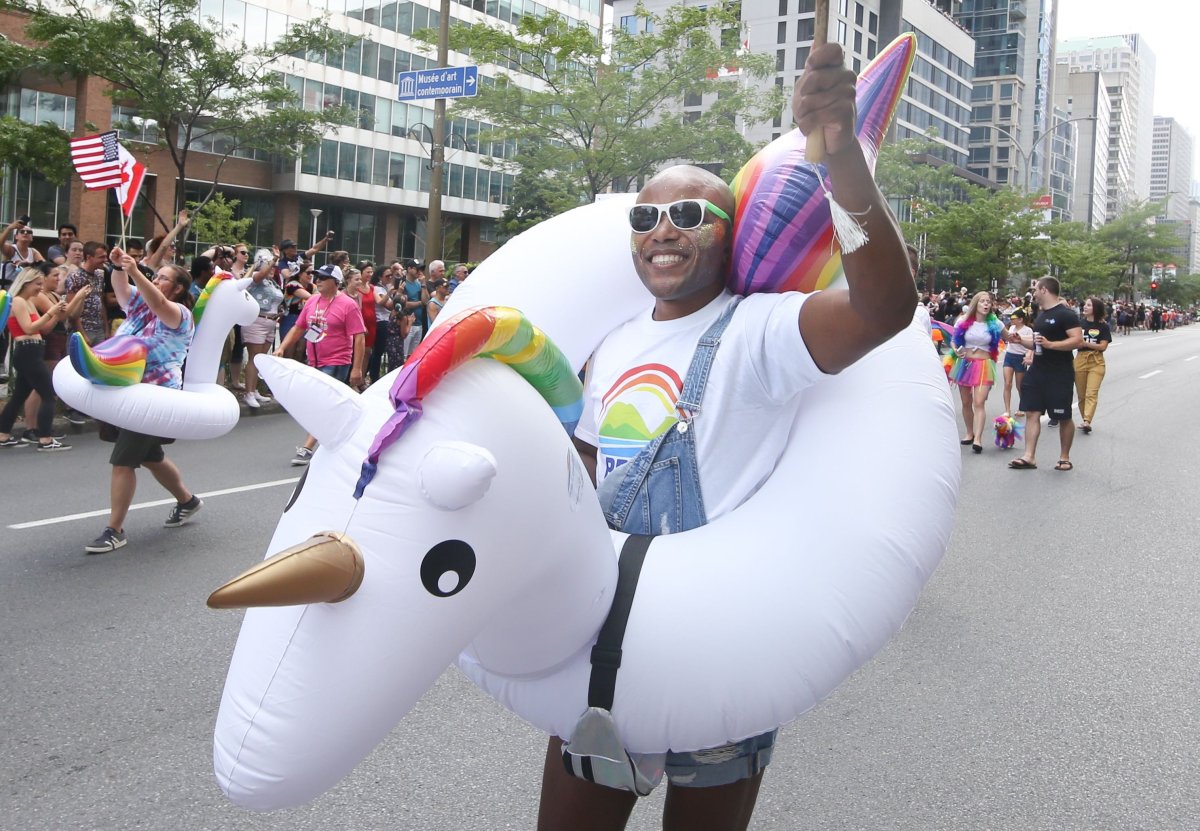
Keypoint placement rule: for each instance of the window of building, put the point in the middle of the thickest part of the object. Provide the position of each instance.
(806, 6)
(858, 14)
(871, 47)
(779, 59)
(804, 29)
(858, 42)
(781, 32)
(783, 4)
(981, 113)
(1006, 92)
(132, 127)
(28, 193)
(1002, 175)
(1006, 112)
(844, 8)
(873, 23)
(801, 56)
(629, 23)
(843, 33)
(982, 93)
(1002, 154)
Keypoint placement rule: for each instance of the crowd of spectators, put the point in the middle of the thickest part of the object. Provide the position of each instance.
(69, 289)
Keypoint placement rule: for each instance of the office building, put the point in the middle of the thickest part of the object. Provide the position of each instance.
(1083, 99)
(1064, 165)
(1171, 168)
(938, 92)
(368, 181)
(1128, 66)
(1013, 89)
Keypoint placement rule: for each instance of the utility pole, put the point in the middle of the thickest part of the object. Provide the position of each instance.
(437, 149)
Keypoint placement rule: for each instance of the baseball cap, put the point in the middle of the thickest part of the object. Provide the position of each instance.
(287, 243)
(327, 272)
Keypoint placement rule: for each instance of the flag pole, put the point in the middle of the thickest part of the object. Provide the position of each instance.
(814, 145)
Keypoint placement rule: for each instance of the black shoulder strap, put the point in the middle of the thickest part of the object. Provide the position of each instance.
(606, 654)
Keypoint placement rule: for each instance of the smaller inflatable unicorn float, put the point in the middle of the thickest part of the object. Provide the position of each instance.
(104, 381)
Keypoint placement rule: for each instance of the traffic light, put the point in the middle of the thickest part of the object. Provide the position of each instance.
(1153, 289)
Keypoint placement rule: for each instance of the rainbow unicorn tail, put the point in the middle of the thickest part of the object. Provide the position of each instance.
(118, 362)
(5, 308)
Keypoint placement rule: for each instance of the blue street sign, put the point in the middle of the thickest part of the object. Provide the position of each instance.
(439, 82)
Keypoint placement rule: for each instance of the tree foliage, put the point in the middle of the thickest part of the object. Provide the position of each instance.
(190, 77)
(598, 116)
(35, 147)
(215, 221)
(1138, 243)
(537, 195)
(1084, 266)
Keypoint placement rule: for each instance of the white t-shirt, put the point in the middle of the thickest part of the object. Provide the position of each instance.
(636, 376)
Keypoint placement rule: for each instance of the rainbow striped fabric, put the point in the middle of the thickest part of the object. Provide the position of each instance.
(783, 231)
(497, 332)
(5, 308)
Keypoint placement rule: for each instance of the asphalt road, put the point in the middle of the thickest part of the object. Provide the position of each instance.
(1048, 680)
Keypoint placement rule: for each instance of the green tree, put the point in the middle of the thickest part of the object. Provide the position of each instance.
(1137, 243)
(988, 237)
(214, 221)
(536, 196)
(196, 81)
(1084, 265)
(598, 116)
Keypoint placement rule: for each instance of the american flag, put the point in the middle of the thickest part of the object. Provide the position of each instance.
(97, 160)
(102, 162)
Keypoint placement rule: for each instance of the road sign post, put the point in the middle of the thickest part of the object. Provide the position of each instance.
(439, 82)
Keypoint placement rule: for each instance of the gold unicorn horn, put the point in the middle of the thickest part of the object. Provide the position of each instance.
(327, 568)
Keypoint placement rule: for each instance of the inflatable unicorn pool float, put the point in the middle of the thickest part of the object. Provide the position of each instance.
(104, 381)
(446, 518)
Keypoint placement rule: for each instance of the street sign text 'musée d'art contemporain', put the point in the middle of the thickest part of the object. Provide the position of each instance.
(439, 82)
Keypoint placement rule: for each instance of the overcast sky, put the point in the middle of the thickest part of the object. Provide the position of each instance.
(1168, 28)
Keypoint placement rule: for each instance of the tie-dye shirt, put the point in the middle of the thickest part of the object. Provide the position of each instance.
(166, 347)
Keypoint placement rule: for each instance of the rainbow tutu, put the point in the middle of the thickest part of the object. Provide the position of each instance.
(972, 372)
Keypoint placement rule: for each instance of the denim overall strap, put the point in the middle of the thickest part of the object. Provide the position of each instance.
(696, 380)
(663, 481)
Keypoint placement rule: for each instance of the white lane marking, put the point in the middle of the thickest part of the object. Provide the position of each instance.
(1194, 357)
(1157, 337)
(156, 503)
(1149, 375)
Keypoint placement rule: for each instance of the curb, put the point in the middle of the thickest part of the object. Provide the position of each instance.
(64, 427)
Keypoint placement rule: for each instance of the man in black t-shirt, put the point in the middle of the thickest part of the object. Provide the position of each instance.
(1050, 380)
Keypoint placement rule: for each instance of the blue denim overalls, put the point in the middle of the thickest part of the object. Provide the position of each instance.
(658, 491)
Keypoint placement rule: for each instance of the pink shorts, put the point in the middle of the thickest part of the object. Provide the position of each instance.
(261, 331)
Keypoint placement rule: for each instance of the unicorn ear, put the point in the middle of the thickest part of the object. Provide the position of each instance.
(325, 407)
(455, 474)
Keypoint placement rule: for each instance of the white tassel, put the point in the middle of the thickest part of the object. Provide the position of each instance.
(850, 233)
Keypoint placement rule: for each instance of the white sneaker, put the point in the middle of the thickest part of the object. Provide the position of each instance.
(262, 399)
(251, 400)
(302, 457)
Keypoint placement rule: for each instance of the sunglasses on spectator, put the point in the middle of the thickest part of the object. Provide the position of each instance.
(686, 215)
(25, 233)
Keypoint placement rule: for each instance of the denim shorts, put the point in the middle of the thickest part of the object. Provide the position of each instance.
(342, 372)
(722, 765)
(1015, 362)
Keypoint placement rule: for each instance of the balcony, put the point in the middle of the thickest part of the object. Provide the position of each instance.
(1016, 11)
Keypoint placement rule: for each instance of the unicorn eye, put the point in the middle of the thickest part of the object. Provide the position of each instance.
(447, 568)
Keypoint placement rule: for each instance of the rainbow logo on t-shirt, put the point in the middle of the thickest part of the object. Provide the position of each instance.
(637, 409)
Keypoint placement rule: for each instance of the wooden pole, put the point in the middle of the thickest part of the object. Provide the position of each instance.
(437, 150)
(814, 147)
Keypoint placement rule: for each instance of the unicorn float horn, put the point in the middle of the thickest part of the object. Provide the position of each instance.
(327, 568)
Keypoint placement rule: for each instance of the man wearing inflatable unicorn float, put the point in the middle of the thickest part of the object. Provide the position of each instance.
(727, 372)
(158, 310)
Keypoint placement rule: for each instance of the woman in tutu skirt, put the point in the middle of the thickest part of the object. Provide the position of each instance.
(973, 368)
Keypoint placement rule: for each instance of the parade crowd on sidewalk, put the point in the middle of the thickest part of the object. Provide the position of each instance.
(354, 322)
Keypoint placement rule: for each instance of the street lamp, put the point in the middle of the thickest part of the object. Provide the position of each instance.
(316, 212)
(1025, 158)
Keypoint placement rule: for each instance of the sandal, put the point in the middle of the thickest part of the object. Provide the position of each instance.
(1064, 464)
(1085, 427)
(1021, 464)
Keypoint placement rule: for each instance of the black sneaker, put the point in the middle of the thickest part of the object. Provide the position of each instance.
(31, 436)
(183, 512)
(75, 417)
(12, 441)
(110, 540)
(52, 446)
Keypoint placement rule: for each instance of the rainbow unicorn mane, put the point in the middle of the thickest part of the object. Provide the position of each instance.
(497, 332)
(5, 308)
(118, 362)
(206, 294)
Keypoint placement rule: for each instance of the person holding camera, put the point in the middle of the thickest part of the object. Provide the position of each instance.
(19, 253)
